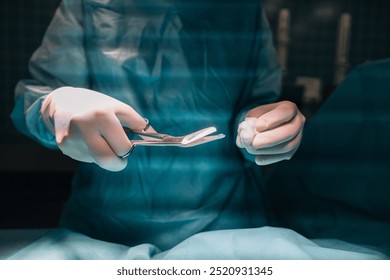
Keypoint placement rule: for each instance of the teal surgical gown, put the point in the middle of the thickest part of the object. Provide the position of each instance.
(184, 65)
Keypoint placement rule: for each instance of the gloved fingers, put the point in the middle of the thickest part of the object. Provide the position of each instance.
(280, 134)
(275, 130)
(76, 149)
(84, 142)
(61, 126)
(261, 110)
(245, 133)
(111, 129)
(129, 117)
(281, 113)
(281, 148)
(269, 159)
(103, 154)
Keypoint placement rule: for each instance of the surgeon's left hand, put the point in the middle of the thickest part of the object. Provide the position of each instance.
(271, 132)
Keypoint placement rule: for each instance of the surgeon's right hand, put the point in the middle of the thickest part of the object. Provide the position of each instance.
(88, 125)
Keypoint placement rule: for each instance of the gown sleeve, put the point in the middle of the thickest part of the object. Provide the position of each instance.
(59, 61)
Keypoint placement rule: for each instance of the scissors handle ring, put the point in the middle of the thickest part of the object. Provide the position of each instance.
(147, 125)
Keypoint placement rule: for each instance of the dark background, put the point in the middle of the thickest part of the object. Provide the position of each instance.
(35, 182)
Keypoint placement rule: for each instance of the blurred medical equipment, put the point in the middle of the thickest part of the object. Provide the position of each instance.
(305, 91)
(342, 48)
(341, 65)
(283, 38)
(158, 139)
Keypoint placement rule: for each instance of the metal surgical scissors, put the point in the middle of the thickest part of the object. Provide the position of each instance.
(158, 139)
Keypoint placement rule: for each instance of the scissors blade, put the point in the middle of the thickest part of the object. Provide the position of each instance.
(203, 140)
(176, 142)
(198, 135)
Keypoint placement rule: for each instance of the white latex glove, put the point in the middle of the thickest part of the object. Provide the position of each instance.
(271, 132)
(88, 125)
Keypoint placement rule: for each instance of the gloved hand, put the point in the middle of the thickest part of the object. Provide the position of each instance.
(271, 132)
(88, 125)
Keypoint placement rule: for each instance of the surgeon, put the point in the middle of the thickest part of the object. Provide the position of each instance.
(182, 65)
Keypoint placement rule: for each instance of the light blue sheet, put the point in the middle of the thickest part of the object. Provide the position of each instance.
(257, 243)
